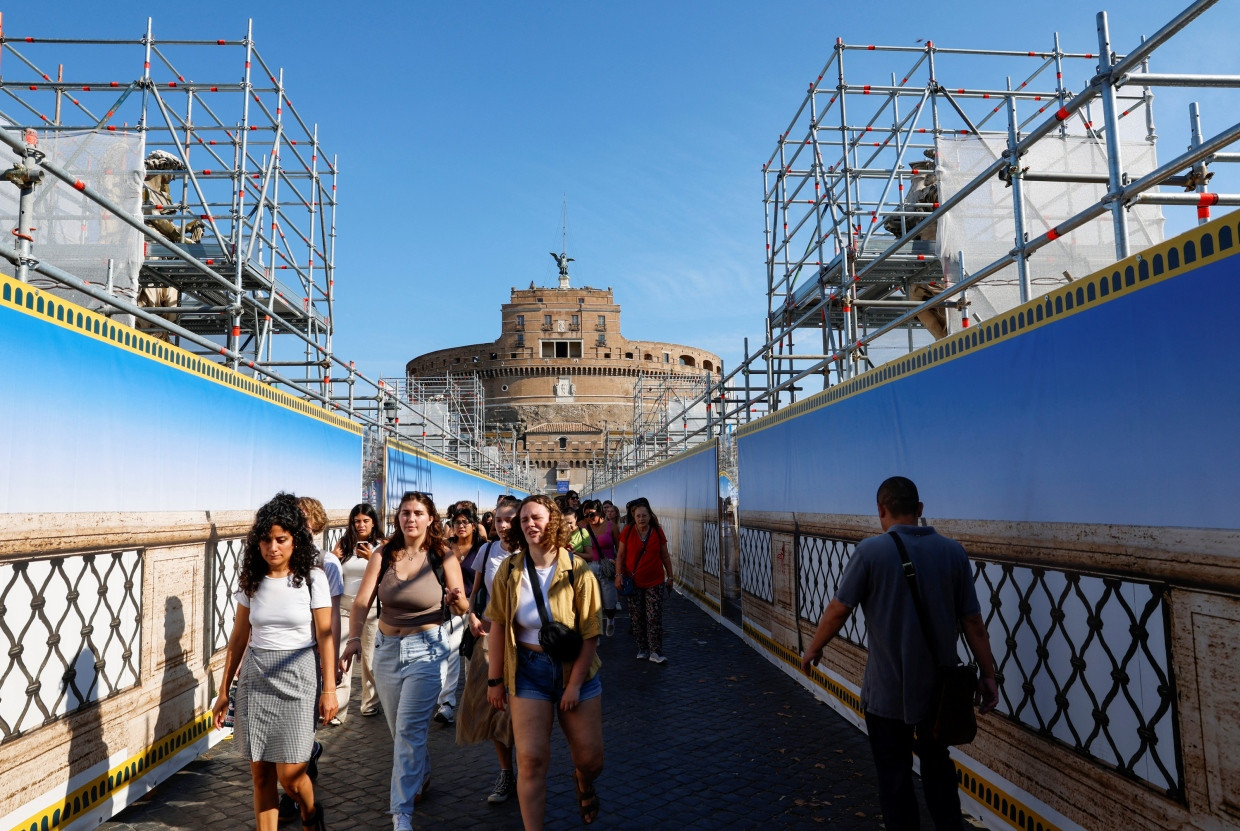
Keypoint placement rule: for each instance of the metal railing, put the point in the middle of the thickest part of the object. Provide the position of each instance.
(71, 626)
(1081, 659)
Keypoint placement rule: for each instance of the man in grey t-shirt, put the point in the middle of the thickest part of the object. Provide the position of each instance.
(900, 672)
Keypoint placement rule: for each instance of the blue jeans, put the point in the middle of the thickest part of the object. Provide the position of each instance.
(542, 678)
(407, 675)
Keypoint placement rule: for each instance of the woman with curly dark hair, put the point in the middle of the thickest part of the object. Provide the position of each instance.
(533, 683)
(283, 614)
(418, 587)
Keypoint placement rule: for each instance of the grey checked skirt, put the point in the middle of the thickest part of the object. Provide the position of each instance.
(276, 705)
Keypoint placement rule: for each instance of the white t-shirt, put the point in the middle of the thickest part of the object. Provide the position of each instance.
(351, 571)
(495, 554)
(330, 564)
(528, 621)
(280, 616)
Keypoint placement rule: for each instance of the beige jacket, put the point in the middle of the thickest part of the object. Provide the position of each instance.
(503, 606)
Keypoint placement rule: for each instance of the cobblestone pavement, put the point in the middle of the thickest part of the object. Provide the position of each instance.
(716, 738)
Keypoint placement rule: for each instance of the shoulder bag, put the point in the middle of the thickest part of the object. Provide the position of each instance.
(606, 565)
(955, 688)
(627, 586)
(563, 643)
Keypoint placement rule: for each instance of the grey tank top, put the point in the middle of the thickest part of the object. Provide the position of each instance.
(413, 602)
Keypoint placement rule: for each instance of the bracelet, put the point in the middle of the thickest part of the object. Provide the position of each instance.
(351, 640)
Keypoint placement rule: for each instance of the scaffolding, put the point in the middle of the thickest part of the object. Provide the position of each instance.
(446, 415)
(172, 184)
(900, 208)
(664, 419)
(881, 188)
(238, 196)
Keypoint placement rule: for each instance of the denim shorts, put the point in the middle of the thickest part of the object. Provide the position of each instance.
(539, 677)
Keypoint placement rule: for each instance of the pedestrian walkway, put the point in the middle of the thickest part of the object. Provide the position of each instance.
(716, 738)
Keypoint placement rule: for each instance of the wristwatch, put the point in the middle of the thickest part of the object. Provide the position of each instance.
(494, 682)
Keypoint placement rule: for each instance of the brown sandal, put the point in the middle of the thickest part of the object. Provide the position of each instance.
(587, 801)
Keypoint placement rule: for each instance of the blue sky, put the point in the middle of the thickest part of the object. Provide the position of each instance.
(462, 127)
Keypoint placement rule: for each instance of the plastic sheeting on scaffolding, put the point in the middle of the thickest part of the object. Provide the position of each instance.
(983, 229)
(71, 231)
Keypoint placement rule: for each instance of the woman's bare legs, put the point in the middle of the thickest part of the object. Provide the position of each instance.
(531, 730)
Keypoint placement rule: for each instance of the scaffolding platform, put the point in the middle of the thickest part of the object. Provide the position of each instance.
(163, 267)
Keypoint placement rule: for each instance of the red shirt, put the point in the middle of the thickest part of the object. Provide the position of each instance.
(649, 572)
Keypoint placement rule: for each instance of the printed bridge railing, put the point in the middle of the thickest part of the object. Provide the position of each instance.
(1083, 660)
(71, 626)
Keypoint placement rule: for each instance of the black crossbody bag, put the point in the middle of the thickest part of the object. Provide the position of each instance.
(563, 643)
(955, 686)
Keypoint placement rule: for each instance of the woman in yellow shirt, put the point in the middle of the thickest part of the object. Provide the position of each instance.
(524, 678)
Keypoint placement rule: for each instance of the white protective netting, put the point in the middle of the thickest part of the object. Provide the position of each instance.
(982, 229)
(74, 233)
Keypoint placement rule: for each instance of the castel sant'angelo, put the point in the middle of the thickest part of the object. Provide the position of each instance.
(563, 375)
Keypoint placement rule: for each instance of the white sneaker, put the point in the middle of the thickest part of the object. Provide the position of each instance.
(402, 822)
(446, 714)
(609, 627)
(656, 658)
(641, 656)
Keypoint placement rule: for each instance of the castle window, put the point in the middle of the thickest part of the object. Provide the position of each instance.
(628, 354)
(667, 357)
(686, 360)
(546, 320)
(520, 321)
(563, 443)
(561, 349)
(520, 340)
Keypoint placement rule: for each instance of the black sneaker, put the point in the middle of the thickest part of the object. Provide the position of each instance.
(288, 807)
(505, 786)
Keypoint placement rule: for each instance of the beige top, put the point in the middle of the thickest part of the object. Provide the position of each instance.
(415, 602)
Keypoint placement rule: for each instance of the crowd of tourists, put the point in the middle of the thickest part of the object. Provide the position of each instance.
(517, 598)
(520, 603)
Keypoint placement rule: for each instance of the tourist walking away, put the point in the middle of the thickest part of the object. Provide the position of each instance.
(644, 575)
(282, 618)
(360, 540)
(476, 719)
(418, 588)
(901, 673)
(463, 546)
(543, 642)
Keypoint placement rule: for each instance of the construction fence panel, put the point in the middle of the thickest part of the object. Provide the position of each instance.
(412, 469)
(684, 494)
(167, 430)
